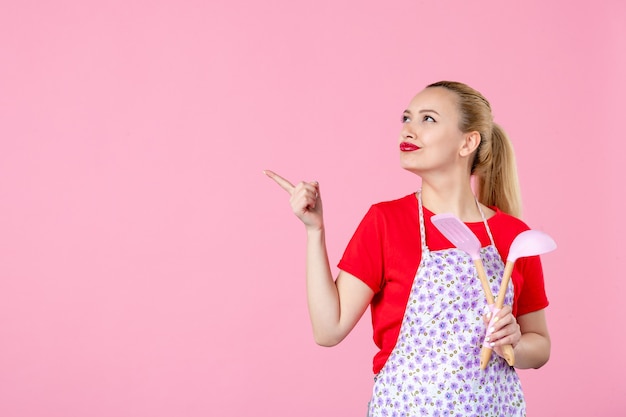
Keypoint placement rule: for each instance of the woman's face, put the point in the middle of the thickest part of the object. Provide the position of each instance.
(430, 139)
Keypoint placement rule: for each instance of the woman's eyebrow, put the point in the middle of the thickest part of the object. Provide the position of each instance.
(421, 111)
(429, 111)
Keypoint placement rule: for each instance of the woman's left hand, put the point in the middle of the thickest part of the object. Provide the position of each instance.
(504, 331)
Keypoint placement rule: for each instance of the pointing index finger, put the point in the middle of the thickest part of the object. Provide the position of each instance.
(284, 184)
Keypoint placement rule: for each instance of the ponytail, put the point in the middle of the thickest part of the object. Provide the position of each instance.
(496, 174)
(494, 161)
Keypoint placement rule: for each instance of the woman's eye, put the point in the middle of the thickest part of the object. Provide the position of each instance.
(428, 119)
(405, 119)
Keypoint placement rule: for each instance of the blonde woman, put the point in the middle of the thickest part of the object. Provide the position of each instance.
(426, 299)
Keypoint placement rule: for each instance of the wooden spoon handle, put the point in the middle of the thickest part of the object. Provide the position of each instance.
(485, 352)
(508, 270)
(483, 280)
(485, 356)
(507, 353)
(507, 350)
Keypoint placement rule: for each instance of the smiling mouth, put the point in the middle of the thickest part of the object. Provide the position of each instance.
(408, 147)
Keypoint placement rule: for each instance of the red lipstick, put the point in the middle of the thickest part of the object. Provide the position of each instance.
(408, 147)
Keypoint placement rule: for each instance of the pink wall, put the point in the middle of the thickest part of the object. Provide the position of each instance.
(148, 268)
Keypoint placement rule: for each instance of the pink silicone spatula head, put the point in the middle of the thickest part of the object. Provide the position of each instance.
(530, 243)
(464, 239)
(457, 233)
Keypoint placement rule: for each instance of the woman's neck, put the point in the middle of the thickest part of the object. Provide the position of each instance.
(451, 197)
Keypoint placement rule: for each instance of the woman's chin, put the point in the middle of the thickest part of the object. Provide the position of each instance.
(409, 166)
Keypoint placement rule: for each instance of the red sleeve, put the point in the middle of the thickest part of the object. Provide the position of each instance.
(363, 256)
(532, 294)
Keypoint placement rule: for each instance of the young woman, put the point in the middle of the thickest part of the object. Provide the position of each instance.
(428, 308)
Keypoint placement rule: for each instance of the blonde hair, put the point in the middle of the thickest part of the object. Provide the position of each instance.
(494, 160)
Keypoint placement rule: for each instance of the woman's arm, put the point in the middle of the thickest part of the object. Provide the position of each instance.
(334, 306)
(533, 349)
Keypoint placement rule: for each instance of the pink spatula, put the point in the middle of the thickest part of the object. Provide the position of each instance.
(527, 243)
(463, 238)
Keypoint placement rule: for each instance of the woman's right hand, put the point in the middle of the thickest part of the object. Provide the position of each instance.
(305, 200)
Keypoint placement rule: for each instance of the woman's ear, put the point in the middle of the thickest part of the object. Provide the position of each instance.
(470, 144)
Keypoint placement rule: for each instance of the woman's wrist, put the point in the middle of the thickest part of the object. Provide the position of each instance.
(314, 230)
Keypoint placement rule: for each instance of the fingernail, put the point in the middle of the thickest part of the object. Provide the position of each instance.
(487, 339)
(492, 344)
(496, 319)
(491, 329)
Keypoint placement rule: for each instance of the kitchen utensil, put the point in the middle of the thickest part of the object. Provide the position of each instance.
(463, 238)
(527, 243)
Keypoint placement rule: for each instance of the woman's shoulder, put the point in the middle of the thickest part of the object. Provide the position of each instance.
(391, 212)
(505, 229)
(399, 204)
(504, 220)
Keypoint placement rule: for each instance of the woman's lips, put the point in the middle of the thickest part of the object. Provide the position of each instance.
(408, 147)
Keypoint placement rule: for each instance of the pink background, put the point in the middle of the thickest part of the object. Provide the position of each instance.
(148, 268)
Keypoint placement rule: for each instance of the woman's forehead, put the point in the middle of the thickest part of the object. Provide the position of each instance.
(438, 99)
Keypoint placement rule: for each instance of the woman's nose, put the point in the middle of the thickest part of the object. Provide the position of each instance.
(407, 132)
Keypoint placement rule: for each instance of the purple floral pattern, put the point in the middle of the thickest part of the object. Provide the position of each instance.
(434, 369)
